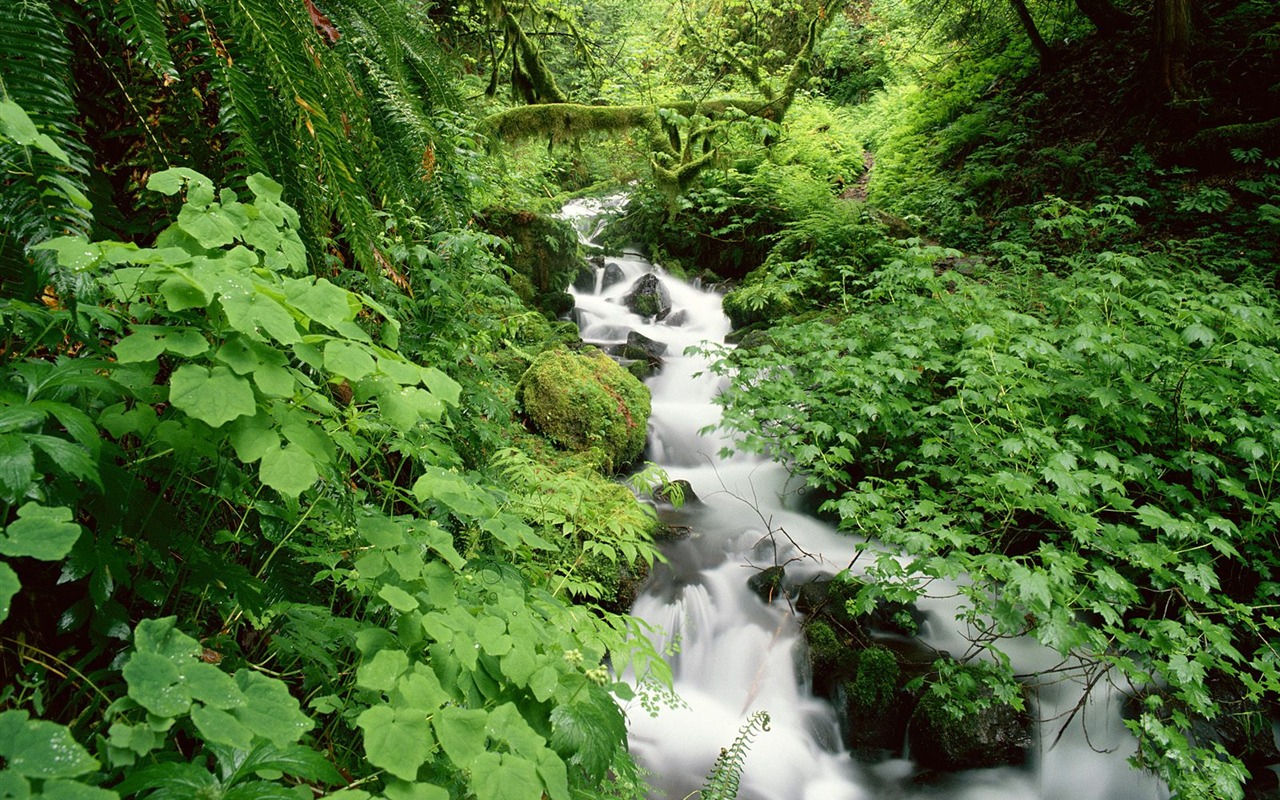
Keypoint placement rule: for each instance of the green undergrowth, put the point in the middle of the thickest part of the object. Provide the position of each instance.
(1086, 440)
(264, 535)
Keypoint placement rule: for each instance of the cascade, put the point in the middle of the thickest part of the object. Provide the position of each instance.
(736, 655)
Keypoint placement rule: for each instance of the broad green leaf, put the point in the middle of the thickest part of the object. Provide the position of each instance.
(421, 690)
(155, 682)
(403, 408)
(138, 739)
(74, 252)
(43, 533)
(254, 312)
(381, 672)
(381, 531)
(289, 470)
(441, 385)
(182, 291)
(270, 711)
(350, 361)
(322, 301)
(210, 226)
(398, 598)
(18, 127)
(398, 742)
(162, 637)
(74, 790)
(266, 190)
(505, 777)
(171, 181)
(220, 727)
(588, 735)
(461, 732)
(296, 760)
(253, 437)
(211, 686)
(147, 342)
(9, 586)
(39, 749)
(214, 397)
(403, 790)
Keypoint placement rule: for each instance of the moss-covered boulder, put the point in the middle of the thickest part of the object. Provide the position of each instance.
(986, 732)
(585, 400)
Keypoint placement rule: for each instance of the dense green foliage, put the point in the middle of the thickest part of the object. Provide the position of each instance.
(271, 520)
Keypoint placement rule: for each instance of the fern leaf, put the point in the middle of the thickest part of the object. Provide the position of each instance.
(722, 782)
(41, 196)
(144, 30)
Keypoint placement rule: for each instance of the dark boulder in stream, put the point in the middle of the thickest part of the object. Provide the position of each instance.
(613, 275)
(648, 297)
(990, 734)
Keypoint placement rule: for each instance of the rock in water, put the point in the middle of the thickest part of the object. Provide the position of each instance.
(648, 297)
(613, 275)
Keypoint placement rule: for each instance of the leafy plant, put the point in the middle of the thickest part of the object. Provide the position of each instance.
(1096, 445)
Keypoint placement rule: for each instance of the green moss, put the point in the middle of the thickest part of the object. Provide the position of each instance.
(585, 400)
(826, 652)
(872, 689)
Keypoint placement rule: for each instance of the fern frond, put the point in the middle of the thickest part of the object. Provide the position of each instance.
(722, 782)
(40, 196)
(144, 30)
(310, 88)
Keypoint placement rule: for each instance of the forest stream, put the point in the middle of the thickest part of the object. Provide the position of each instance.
(737, 655)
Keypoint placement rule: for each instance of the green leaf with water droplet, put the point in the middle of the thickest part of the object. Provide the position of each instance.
(381, 672)
(39, 749)
(462, 734)
(269, 710)
(155, 682)
(347, 360)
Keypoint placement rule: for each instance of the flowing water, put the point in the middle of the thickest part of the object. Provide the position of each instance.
(737, 655)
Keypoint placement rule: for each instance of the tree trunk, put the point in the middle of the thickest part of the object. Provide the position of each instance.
(1033, 33)
(1105, 17)
(1172, 40)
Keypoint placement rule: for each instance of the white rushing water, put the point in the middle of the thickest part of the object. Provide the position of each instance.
(737, 655)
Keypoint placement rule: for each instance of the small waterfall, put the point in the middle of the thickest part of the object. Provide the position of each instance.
(736, 654)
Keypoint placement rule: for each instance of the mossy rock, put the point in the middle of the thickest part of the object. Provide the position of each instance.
(875, 707)
(585, 400)
(832, 656)
(990, 734)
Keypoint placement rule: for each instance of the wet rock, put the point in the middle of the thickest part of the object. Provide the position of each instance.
(649, 346)
(767, 583)
(586, 279)
(555, 304)
(613, 275)
(876, 707)
(677, 318)
(640, 368)
(994, 736)
(832, 655)
(596, 261)
(648, 297)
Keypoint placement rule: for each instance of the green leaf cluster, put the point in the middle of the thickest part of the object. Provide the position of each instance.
(1100, 446)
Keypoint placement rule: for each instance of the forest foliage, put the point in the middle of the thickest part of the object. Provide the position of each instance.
(273, 525)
